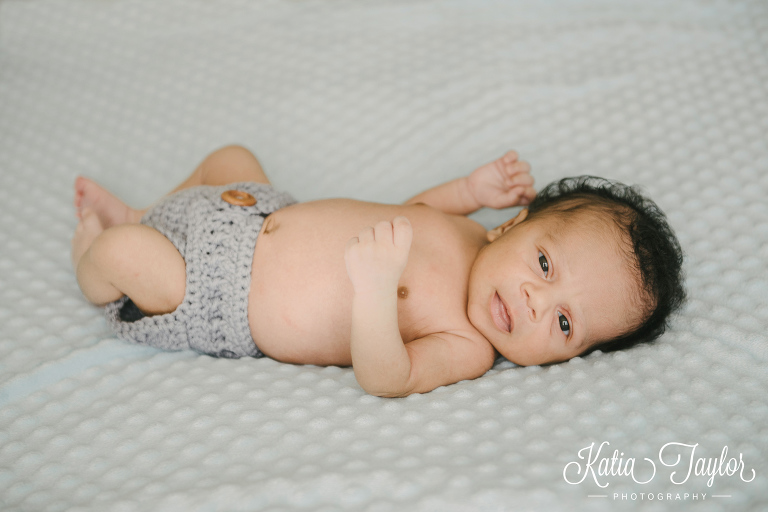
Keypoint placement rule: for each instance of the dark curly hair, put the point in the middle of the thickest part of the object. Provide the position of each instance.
(656, 255)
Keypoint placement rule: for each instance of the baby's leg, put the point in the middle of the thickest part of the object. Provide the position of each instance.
(128, 259)
(230, 164)
(113, 255)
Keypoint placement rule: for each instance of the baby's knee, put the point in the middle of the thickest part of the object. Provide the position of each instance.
(114, 245)
(143, 264)
(232, 157)
(231, 164)
(105, 260)
(128, 249)
(236, 151)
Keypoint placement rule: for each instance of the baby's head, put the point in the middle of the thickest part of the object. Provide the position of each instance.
(590, 264)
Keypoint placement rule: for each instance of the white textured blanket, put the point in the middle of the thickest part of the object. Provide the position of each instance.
(378, 100)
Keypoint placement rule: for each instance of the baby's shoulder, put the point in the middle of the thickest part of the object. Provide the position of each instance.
(455, 229)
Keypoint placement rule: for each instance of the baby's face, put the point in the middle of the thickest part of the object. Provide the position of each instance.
(548, 289)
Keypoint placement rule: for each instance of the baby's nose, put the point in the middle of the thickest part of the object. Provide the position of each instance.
(535, 301)
(529, 302)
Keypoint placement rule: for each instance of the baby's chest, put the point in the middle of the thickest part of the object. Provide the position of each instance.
(431, 298)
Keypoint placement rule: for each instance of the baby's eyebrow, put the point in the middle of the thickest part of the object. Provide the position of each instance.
(554, 241)
(552, 237)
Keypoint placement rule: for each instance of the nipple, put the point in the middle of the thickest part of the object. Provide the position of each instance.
(402, 292)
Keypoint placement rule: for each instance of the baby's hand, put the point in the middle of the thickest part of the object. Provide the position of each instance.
(376, 258)
(502, 183)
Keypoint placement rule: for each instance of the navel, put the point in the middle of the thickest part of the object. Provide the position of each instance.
(402, 292)
(269, 227)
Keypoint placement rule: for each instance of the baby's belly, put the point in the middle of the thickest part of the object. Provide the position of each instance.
(299, 308)
(300, 302)
(293, 328)
(300, 323)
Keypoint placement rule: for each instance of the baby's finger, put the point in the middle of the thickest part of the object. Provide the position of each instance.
(520, 167)
(383, 231)
(510, 157)
(516, 196)
(365, 235)
(351, 243)
(528, 195)
(519, 180)
(403, 232)
(523, 179)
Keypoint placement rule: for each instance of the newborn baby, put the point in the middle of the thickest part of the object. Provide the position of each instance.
(413, 296)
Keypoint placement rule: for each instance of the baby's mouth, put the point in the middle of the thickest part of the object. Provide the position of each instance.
(499, 313)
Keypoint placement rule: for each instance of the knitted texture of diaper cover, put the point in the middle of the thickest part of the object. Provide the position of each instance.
(216, 240)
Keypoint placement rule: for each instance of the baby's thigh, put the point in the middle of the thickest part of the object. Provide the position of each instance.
(144, 265)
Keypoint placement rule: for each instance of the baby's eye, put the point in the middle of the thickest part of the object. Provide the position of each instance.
(543, 263)
(565, 326)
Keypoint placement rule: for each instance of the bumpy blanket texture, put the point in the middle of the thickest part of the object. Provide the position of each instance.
(378, 100)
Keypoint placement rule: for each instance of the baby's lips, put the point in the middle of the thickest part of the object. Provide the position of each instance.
(507, 317)
(500, 314)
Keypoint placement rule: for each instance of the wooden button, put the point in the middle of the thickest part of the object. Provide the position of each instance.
(238, 198)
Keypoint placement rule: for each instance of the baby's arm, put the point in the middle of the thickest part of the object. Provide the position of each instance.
(383, 364)
(500, 184)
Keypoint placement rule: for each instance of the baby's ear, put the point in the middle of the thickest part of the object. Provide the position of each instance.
(500, 230)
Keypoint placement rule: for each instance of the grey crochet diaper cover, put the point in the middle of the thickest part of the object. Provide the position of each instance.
(216, 240)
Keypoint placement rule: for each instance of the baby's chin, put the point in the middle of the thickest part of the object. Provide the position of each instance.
(485, 326)
(516, 359)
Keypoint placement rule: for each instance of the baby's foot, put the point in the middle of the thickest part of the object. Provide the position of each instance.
(109, 209)
(87, 230)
